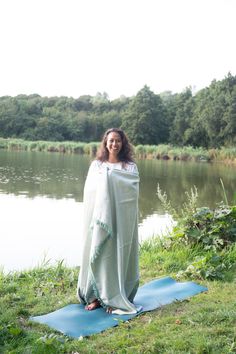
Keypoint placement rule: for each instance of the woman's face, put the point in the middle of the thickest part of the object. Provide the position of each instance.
(114, 143)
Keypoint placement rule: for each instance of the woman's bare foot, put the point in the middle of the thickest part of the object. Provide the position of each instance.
(94, 305)
(109, 309)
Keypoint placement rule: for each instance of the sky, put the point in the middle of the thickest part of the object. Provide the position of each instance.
(82, 47)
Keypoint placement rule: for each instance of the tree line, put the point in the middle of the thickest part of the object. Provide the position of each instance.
(206, 119)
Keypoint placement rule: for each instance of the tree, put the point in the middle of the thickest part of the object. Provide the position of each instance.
(183, 114)
(145, 118)
(196, 135)
(83, 103)
(215, 113)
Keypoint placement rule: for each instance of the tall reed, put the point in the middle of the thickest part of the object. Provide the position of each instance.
(161, 151)
(66, 147)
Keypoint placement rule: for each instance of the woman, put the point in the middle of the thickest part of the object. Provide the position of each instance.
(109, 275)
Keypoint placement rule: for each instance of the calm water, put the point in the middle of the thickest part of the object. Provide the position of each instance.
(41, 210)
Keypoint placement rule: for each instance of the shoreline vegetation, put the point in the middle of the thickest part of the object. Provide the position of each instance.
(201, 247)
(161, 152)
(205, 118)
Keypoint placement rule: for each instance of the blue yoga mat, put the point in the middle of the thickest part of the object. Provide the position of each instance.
(74, 321)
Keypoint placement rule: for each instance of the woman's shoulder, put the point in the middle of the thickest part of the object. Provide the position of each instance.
(93, 167)
(96, 163)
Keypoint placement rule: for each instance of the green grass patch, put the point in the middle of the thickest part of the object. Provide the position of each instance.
(203, 324)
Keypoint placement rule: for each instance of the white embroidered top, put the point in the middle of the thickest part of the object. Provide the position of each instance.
(96, 165)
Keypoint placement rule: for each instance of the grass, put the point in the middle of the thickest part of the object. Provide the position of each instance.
(203, 324)
(169, 152)
(65, 147)
(162, 151)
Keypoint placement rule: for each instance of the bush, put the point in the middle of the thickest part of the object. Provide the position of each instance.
(211, 232)
(214, 229)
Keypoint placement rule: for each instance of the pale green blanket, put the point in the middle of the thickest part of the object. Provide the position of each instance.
(109, 270)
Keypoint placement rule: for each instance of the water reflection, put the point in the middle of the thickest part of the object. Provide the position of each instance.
(177, 178)
(155, 224)
(45, 174)
(32, 230)
(62, 176)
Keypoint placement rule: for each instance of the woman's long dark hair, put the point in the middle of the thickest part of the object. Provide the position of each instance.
(126, 152)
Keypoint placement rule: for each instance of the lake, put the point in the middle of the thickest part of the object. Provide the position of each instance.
(41, 202)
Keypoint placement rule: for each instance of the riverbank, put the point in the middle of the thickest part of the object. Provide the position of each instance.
(164, 152)
(205, 323)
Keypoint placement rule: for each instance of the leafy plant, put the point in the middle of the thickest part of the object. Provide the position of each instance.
(212, 231)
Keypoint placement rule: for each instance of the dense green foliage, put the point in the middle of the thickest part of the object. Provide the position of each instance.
(206, 119)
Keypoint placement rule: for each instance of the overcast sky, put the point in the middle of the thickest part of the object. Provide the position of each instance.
(78, 47)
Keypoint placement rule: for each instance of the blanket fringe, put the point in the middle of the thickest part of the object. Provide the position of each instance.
(105, 227)
(96, 253)
(97, 250)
